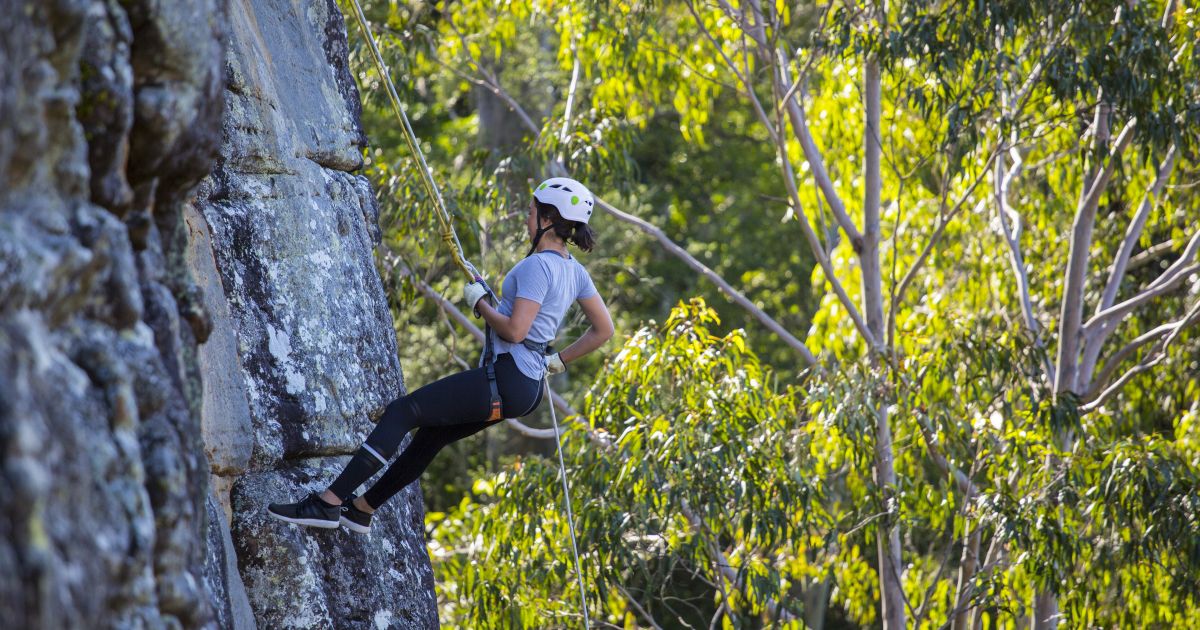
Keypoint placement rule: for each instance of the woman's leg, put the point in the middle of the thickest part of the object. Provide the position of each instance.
(521, 396)
(463, 396)
(426, 443)
(459, 399)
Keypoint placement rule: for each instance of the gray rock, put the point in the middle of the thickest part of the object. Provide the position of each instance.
(191, 323)
(102, 460)
(231, 606)
(312, 578)
(293, 232)
(225, 411)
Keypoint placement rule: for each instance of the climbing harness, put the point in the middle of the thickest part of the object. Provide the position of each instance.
(451, 240)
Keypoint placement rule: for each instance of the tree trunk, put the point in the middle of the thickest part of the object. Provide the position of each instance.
(1045, 611)
(816, 603)
(1066, 366)
(966, 572)
(888, 540)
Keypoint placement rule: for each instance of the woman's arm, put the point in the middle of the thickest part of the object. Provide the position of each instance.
(600, 331)
(511, 328)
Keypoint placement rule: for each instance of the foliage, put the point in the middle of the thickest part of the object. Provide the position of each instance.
(684, 418)
(777, 459)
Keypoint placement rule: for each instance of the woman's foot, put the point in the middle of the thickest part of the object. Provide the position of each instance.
(356, 515)
(311, 511)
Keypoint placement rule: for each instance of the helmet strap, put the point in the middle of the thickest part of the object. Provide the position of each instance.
(537, 238)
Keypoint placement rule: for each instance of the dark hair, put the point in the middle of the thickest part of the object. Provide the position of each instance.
(576, 232)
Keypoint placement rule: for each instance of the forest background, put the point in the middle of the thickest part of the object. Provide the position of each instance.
(905, 297)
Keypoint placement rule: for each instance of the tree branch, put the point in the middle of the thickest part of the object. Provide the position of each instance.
(726, 569)
(733, 294)
(872, 174)
(500, 93)
(1172, 277)
(967, 568)
(1150, 254)
(1149, 202)
(800, 128)
(1113, 362)
(806, 227)
(745, 80)
(1147, 363)
(898, 293)
(642, 611)
(964, 483)
(566, 126)
(814, 244)
(816, 162)
(1026, 89)
(1001, 182)
(1094, 342)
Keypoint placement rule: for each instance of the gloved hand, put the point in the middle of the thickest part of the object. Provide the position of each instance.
(555, 365)
(474, 292)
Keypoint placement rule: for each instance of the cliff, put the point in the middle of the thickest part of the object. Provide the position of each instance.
(191, 323)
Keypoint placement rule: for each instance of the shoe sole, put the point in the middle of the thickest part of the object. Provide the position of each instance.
(355, 527)
(310, 522)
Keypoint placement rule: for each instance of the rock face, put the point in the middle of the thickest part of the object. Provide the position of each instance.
(191, 324)
(292, 232)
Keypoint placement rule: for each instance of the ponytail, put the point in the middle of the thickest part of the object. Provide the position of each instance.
(582, 236)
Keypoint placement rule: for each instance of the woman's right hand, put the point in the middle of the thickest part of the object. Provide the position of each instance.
(474, 292)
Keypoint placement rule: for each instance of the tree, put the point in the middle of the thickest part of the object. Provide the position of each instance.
(978, 140)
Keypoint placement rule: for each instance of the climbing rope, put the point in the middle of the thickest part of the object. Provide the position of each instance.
(562, 467)
(451, 240)
(448, 233)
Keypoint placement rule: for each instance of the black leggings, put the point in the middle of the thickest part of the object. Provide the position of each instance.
(445, 411)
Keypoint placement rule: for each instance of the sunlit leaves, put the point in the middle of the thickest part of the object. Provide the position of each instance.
(730, 421)
(698, 427)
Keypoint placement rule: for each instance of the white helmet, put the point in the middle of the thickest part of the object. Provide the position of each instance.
(573, 200)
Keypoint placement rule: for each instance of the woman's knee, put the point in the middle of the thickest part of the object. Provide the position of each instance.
(400, 409)
(398, 419)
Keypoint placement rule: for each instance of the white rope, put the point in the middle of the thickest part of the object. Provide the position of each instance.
(562, 467)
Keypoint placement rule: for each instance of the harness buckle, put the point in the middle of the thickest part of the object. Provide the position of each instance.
(497, 414)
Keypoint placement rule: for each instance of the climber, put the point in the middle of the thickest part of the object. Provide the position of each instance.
(536, 294)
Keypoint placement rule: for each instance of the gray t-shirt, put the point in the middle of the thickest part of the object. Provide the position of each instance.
(552, 281)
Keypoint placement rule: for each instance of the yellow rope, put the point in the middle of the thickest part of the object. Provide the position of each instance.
(448, 234)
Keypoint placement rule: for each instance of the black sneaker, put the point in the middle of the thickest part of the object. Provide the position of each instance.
(353, 518)
(310, 510)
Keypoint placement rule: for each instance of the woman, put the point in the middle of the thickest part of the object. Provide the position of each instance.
(536, 294)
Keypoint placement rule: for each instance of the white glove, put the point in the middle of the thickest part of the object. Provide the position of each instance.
(474, 292)
(555, 365)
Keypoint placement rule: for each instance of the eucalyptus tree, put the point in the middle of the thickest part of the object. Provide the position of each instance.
(959, 174)
(992, 84)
